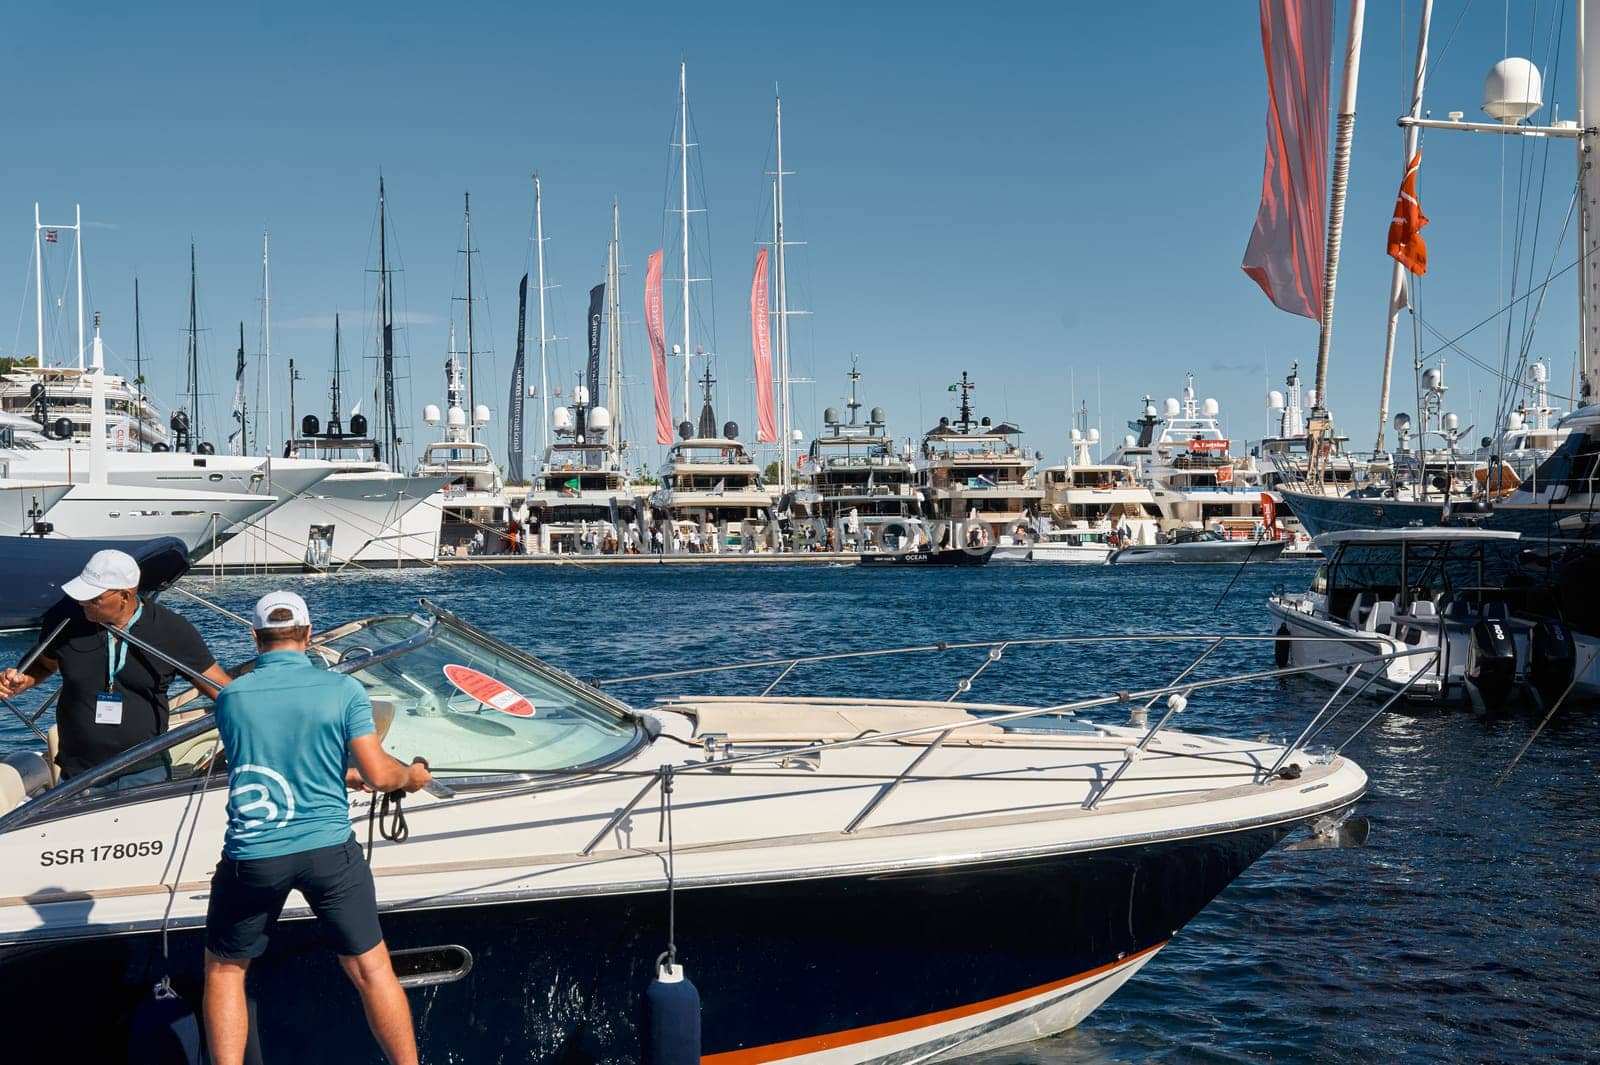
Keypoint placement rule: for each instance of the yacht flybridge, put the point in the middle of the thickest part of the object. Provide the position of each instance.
(711, 490)
(859, 485)
(580, 499)
(974, 474)
(815, 861)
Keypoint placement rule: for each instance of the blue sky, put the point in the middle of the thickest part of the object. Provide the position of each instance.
(1053, 196)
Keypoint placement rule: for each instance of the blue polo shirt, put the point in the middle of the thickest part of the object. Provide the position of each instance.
(286, 727)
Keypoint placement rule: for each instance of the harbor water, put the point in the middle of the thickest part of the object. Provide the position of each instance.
(1461, 932)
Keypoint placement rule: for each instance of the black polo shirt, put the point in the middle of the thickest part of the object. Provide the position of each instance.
(82, 652)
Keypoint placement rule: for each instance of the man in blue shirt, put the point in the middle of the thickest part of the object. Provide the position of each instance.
(287, 728)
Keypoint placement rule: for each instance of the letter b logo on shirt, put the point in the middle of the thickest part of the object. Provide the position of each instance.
(259, 802)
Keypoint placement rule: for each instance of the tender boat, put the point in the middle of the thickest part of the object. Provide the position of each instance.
(1452, 605)
(851, 880)
(1080, 546)
(1200, 545)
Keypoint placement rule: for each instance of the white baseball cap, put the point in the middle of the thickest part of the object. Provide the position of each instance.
(272, 601)
(104, 571)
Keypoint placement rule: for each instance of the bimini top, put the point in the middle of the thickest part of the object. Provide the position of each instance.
(1413, 535)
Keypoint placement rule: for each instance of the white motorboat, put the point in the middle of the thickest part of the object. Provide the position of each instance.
(1200, 545)
(1447, 603)
(1079, 546)
(780, 843)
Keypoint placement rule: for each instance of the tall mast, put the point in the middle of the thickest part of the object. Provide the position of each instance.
(472, 405)
(194, 359)
(335, 425)
(77, 246)
(784, 430)
(38, 287)
(1320, 426)
(389, 431)
(1397, 278)
(138, 369)
(614, 334)
(683, 145)
(1588, 225)
(266, 332)
(544, 372)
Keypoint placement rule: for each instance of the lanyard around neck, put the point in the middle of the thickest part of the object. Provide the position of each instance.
(117, 650)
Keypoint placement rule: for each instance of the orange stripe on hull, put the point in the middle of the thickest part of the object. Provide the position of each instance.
(852, 1036)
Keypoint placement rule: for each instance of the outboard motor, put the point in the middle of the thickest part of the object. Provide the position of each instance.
(1552, 659)
(1492, 660)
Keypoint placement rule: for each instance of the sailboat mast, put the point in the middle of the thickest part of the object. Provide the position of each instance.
(614, 334)
(389, 431)
(77, 246)
(544, 371)
(472, 405)
(138, 371)
(785, 432)
(683, 146)
(266, 331)
(1397, 279)
(1588, 226)
(194, 358)
(38, 286)
(1345, 134)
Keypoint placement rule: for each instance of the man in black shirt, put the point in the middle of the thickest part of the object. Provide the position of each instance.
(113, 695)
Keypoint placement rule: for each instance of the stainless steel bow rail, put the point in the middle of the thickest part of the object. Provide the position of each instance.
(1177, 691)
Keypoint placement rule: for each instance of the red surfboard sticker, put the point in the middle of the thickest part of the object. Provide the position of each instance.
(488, 691)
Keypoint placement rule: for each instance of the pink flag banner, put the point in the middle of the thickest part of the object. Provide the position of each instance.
(653, 324)
(761, 344)
(1285, 253)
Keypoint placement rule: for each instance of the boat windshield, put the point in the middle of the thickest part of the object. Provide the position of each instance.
(1436, 570)
(472, 707)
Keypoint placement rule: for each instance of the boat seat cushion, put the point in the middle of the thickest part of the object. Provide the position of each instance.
(1381, 617)
(1361, 608)
(22, 775)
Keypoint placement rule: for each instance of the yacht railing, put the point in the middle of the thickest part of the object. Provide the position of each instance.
(1177, 691)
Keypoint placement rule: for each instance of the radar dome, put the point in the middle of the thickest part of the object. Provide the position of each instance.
(1188, 391)
(1128, 440)
(1515, 420)
(561, 419)
(876, 416)
(1075, 436)
(1539, 373)
(599, 419)
(480, 414)
(456, 418)
(685, 429)
(1210, 408)
(430, 414)
(1149, 410)
(1094, 436)
(580, 396)
(1274, 400)
(1451, 421)
(1172, 407)
(1433, 380)
(830, 416)
(1513, 91)
(1311, 397)
(796, 435)
(730, 430)
(1402, 422)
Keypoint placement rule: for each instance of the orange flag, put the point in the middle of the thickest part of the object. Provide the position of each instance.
(1405, 230)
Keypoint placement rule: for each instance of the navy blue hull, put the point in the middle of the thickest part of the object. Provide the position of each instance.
(33, 569)
(563, 981)
(1321, 514)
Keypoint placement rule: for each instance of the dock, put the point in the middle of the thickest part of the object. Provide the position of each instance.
(769, 558)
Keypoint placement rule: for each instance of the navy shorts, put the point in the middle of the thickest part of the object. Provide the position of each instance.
(247, 897)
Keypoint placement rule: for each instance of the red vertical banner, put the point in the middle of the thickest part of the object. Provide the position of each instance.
(1285, 253)
(653, 323)
(761, 344)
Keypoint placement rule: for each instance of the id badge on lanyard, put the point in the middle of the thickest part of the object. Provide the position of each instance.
(108, 703)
